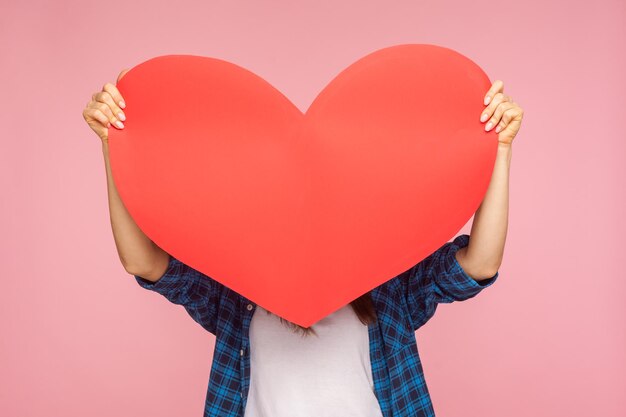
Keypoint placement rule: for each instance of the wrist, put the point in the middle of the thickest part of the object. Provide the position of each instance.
(505, 152)
(505, 147)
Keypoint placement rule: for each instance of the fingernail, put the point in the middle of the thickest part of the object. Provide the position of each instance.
(483, 117)
(121, 116)
(498, 129)
(122, 104)
(488, 126)
(487, 100)
(119, 124)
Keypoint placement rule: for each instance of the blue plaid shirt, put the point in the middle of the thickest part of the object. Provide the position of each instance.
(403, 304)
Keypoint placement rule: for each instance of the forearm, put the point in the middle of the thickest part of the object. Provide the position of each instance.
(137, 253)
(483, 256)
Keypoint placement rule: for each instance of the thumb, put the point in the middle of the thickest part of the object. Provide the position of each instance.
(119, 77)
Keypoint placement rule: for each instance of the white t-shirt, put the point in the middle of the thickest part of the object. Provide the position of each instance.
(328, 375)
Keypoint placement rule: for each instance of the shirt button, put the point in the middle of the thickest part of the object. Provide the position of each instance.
(241, 394)
(249, 307)
(241, 352)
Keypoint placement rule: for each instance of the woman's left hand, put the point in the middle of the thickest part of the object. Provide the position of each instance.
(502, 113)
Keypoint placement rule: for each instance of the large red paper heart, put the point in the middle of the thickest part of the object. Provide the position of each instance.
(302, 213)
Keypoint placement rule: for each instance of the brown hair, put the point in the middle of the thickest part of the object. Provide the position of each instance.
(362, 306)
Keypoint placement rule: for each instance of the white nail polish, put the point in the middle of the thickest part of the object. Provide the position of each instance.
(487, 100)
(119, 124)
(488, 126)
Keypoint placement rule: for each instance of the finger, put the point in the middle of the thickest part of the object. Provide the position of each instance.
(115, 93)
(106, 110)
(97, 114)
(495, 109)
(496, 87)
(490, 109)
(506, 109)
(116, 112)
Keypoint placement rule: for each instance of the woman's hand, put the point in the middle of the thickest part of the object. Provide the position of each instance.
(105, 109)
(482, 257)
(502, 112)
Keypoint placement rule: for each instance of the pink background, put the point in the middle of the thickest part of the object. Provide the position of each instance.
(79, 336)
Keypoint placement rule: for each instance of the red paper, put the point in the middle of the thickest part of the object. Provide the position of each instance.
(303, 213)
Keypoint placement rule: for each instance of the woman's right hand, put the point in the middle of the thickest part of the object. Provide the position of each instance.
(105, 110)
